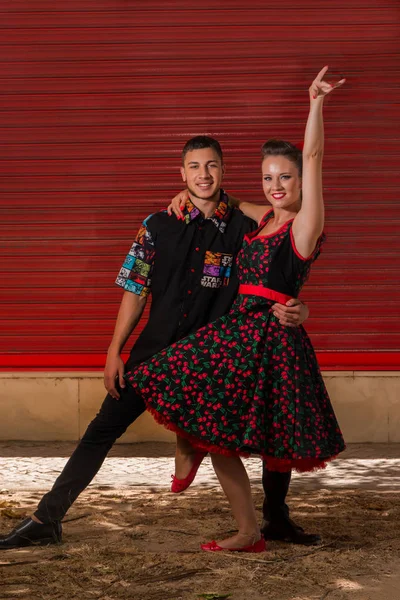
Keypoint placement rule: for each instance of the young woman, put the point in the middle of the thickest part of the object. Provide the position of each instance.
(245, 384)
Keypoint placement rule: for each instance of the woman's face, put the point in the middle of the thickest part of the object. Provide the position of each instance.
(281, 182)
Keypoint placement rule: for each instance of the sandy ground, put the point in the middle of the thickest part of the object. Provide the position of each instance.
(128, 537)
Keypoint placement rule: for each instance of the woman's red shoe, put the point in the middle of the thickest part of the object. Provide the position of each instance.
(258, 546)
(179, 485)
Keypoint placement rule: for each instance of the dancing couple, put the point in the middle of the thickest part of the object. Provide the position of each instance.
(223, 360)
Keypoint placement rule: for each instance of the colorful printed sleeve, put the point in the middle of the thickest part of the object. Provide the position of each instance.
(135, 273)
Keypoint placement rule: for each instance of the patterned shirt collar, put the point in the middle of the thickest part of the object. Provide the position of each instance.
(219, 218)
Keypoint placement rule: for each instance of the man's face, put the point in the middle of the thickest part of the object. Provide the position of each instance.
(203, 172)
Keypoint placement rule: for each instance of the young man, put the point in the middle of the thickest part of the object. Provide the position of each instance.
(190, 269)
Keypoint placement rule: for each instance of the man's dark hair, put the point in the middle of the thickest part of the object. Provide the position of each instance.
(275, 147)
(199, 142)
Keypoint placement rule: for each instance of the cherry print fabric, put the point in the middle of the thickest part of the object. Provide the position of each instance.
(244, 384)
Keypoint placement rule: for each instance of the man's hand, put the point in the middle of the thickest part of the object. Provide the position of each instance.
(129, 313)
(113, 373)
(291, 314)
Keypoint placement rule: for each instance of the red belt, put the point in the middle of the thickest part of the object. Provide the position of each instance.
(259, 290)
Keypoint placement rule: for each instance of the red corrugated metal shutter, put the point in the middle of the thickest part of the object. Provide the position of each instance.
(100, 95)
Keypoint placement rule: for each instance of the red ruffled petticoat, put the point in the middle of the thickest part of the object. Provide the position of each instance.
(283, 465)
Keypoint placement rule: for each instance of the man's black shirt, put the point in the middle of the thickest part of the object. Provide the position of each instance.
(190, 269)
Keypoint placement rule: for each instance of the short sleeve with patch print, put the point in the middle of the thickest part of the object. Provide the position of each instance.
(135, 273)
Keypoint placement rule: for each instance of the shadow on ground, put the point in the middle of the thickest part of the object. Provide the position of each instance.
(143, 543)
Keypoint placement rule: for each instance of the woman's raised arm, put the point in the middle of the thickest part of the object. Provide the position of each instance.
(309, 222)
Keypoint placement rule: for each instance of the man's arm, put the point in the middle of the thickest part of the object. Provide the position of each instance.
(135, 278)
(129, 314)
(291, 314)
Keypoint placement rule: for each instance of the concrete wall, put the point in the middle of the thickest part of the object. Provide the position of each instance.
(59, 406)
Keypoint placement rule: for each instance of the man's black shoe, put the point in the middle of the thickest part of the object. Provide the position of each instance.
(288, 531)
(30, 533)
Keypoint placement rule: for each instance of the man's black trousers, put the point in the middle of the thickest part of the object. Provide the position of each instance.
(110, 423)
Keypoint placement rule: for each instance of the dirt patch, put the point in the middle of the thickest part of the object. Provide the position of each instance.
(144, 544)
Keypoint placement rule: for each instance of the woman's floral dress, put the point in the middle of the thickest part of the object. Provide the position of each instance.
(245, 384)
